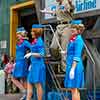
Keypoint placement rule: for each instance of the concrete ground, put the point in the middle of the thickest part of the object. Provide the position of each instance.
(10, 97)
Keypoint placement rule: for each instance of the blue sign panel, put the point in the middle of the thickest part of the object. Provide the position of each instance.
(84, 5)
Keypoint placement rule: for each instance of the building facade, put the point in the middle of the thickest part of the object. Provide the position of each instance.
(5, 16)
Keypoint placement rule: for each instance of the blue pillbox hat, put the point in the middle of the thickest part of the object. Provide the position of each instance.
(37, 26)
(21, 29)
(77, 22)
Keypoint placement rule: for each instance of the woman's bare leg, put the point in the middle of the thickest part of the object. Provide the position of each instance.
(24, 83)
(75, 94)
(39, 91)
(18, 84)
(29, 91)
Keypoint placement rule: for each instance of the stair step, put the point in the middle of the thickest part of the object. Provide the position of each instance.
(91, 94)
(57, 95)
(54, 62)
(60, 75)
(67, 89)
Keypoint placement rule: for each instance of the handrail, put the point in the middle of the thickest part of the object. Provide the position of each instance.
(89, 54)
(56, 82)
(54, 35)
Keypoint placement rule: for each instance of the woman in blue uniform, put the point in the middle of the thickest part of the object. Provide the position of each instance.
(20, 71)
(74, 78)
(36, 74)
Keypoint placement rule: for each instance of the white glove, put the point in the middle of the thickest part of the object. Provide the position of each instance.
(43, 11)
(63, 52)
(72, 73)
(28, 55)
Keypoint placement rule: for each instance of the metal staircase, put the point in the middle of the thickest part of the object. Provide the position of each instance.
(55, 77)
(90, 95)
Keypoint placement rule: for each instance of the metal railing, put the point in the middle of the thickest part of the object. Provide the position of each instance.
(92, 59)
(51, 71)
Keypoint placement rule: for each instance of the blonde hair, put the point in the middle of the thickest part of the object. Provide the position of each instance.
(78, 27)
(38, 31)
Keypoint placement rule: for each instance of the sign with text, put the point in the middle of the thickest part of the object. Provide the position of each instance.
(3, 44)
(81, 6)
(86, 5)
(48, 5)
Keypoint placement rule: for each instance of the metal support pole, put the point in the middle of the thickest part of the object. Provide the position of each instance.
(94, 83)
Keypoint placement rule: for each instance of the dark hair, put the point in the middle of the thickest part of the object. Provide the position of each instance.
(6, 59)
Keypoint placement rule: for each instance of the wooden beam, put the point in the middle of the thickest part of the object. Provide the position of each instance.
(23, 5)
(13, 26)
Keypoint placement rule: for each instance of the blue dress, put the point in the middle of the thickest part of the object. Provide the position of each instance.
(37, 70)
(74, 53)
(20, 70)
